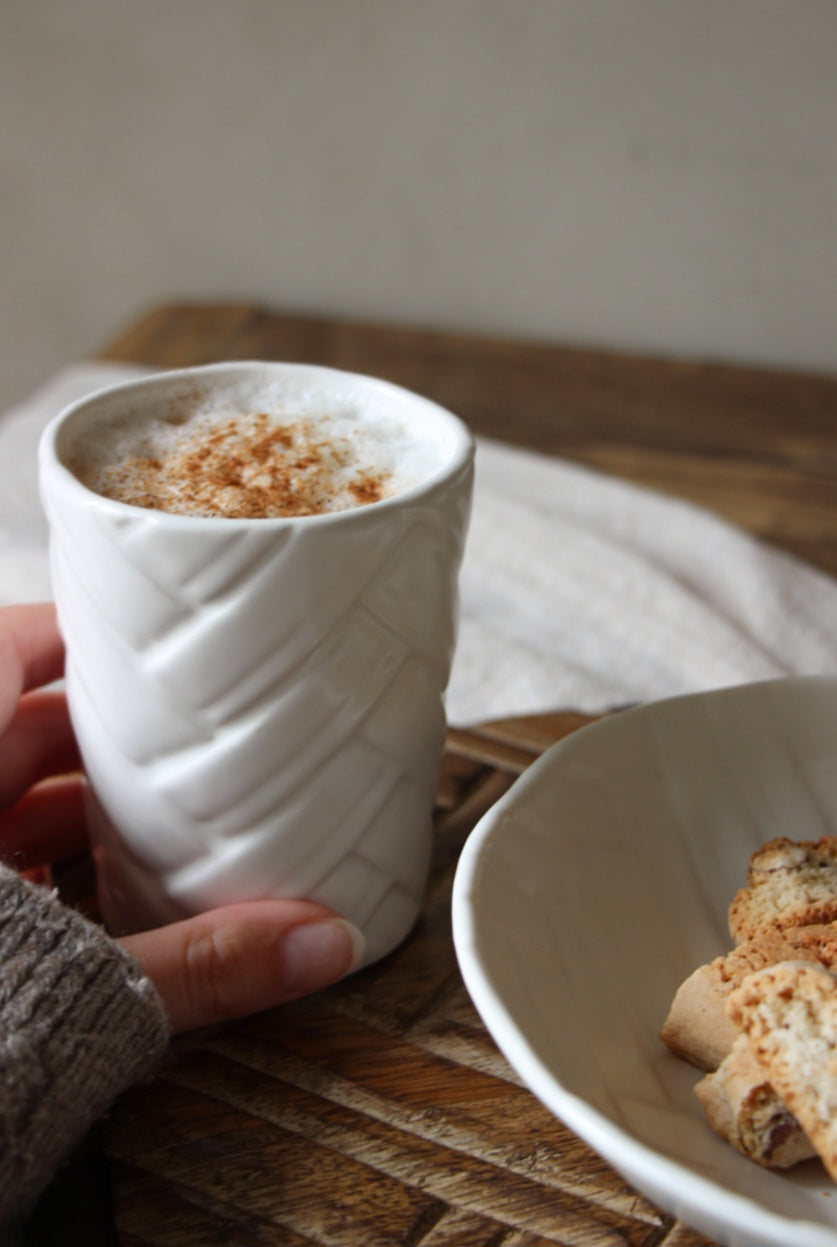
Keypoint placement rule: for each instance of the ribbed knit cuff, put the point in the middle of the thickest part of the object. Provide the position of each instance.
(79, 1022)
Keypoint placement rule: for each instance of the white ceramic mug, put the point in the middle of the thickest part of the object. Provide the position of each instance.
(259, 703)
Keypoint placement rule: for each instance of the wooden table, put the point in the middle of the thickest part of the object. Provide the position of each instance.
(380, 1112)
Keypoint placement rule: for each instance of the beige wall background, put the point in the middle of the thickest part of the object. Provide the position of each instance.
(645, 174)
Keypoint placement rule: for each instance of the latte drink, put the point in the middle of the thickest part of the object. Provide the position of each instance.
(254, 451)
(255, 569)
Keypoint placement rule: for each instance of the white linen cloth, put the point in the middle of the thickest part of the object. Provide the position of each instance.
(578, 591)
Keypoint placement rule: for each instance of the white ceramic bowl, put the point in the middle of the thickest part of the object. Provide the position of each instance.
(598, 883)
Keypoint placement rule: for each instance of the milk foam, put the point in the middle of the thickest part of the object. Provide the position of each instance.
(253, 452)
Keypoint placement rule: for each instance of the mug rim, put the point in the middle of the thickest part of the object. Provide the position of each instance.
(457, 461)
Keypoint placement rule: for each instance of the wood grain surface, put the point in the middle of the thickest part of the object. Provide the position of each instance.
(380, 1112)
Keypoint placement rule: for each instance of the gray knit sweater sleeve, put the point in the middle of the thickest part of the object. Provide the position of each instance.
(79, 1022)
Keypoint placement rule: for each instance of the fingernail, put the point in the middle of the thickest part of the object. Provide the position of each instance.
(315, 954)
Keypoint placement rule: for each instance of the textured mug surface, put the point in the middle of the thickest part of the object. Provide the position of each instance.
(259, 703)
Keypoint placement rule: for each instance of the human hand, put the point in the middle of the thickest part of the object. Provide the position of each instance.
(219, 965)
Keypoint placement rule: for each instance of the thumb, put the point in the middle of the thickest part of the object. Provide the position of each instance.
(243, 958)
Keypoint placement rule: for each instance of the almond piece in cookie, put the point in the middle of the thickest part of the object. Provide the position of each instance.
(788, 1013)
(789, 884)
(743, 1108)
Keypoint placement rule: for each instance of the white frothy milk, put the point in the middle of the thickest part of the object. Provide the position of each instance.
(249, 451)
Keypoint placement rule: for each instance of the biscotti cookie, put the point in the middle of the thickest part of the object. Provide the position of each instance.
(743, 1107)
(788, 1013)
(789, 884)
(697, 1027)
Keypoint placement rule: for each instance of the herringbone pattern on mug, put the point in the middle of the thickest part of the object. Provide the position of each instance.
(205, 686)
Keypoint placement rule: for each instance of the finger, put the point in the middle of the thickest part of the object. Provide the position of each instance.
(244, 958)
(47, 825)
(38, 742)
(31, 652)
